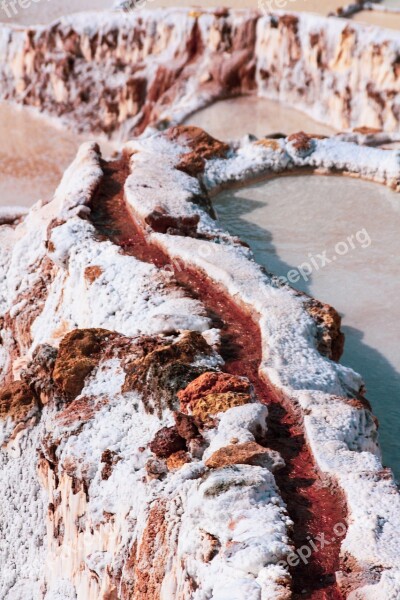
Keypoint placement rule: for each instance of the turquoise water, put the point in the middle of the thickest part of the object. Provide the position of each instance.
(293, 221)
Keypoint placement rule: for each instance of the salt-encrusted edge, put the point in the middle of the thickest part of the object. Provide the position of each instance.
(340, 435)
(57, 229)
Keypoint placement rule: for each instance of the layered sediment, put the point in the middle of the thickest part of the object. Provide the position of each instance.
(173, 421)
(124, 74)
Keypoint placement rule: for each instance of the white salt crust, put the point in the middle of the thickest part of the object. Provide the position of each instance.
(253, 160)
(388, 588)
(240, 506)
(133, 298)
(23, 513)
(332, 92)
(343, 439)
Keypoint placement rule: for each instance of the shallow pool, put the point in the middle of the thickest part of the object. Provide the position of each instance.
(295, 221)
(34, 154)
(234, 118)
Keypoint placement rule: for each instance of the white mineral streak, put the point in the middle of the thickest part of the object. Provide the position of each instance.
(342, 437)
(94, 535)
(23, 512)
(252, 160)
(129, 296)
(241, 423)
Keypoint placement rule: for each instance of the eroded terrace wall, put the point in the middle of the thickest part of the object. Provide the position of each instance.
(109, 72)
(338, 72)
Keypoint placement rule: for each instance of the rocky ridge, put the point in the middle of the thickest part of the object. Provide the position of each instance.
(129, 421)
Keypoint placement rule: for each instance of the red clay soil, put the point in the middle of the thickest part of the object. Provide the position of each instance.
(314, 508)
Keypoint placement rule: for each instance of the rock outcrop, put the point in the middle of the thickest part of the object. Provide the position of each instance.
(77, 357)
(115, 391)
(115, 500)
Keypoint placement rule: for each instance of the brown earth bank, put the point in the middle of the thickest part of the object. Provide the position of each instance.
(314, 506)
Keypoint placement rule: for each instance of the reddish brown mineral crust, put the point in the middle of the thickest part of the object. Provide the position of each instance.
(301, 141)
(248, 453)
(80, 411)
(167, 441)
(314, 507)
(212, 404)
(77, 357)
(186, 426)
(268, 143)
(152, 554)
(161, 222)
(177, 460)
(212, 383)
(367, 130)
(331, 342)
(167, 368)
(202, 147)
(109, 458)
(17, 402)
(93, 273)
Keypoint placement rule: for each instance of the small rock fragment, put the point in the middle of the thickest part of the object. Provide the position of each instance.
(165, 370)
(109, 458)
(186, 426)
(301, 144)
(167, 441)
(17, 402)
(177, 460)
(212, 404)
(156, 468)
(92, 273)
(77, 357)
(212, 383)
(202, 147)
(249, 453)
(197, 447)
(38, 374)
